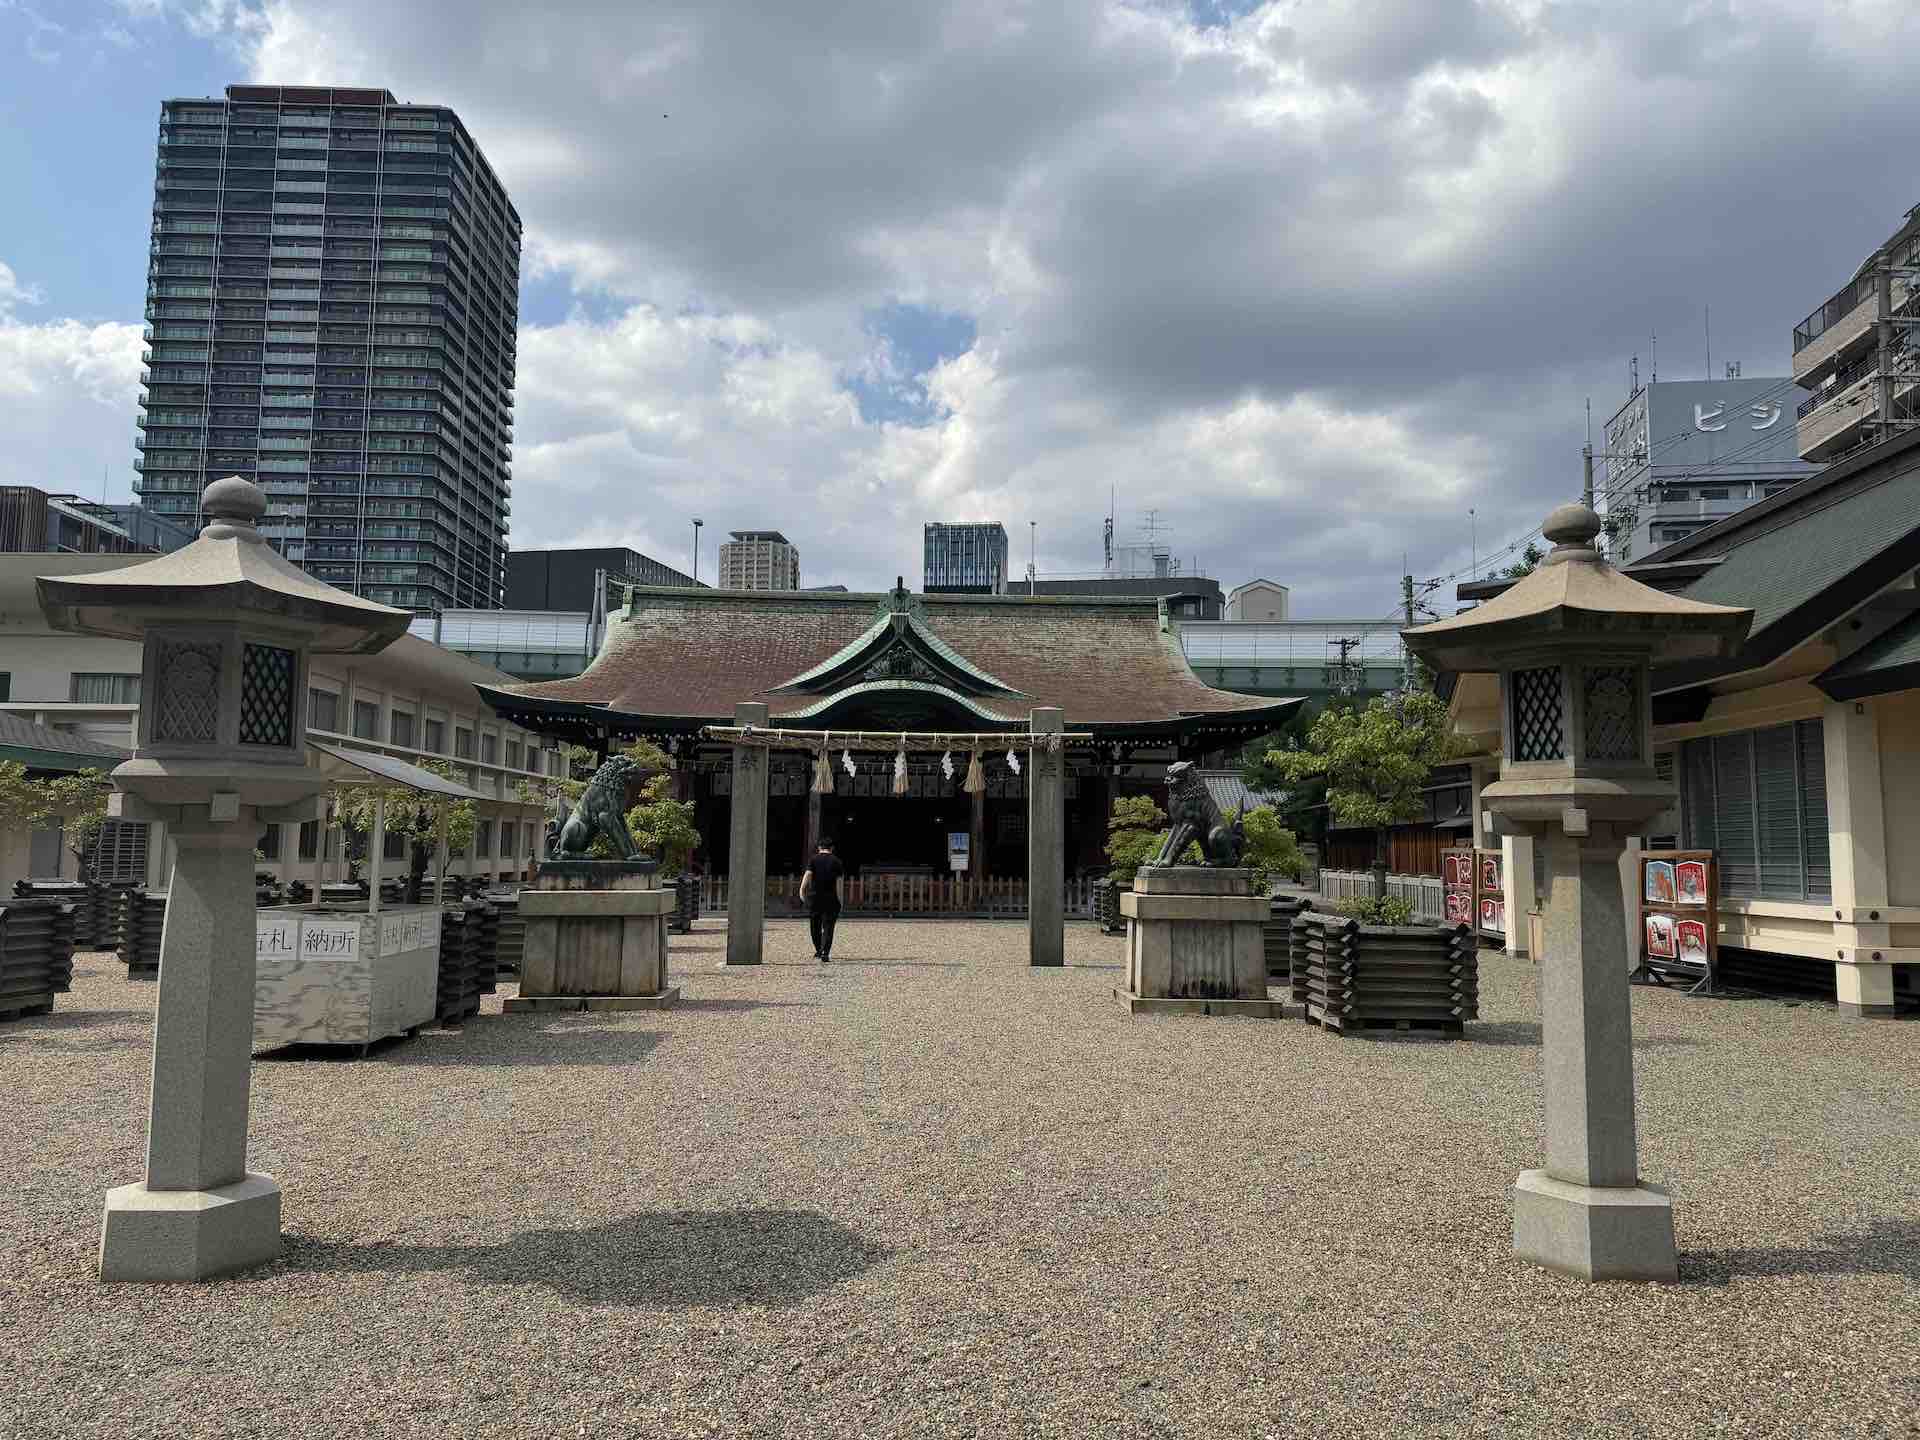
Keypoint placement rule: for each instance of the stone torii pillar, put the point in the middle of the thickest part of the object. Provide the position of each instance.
(747, 853)
(1046, 844)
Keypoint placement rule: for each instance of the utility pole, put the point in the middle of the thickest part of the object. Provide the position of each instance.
(696, 549)
(1586, 480)
(1406, 605)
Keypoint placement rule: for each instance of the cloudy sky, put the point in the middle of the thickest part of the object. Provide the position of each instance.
(1310, 279)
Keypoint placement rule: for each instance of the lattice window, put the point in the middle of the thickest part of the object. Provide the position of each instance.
(266, 695)
(189, 704)
(1613, 712)
(1539, 729)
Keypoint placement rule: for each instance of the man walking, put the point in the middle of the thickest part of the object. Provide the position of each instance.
(820, 888)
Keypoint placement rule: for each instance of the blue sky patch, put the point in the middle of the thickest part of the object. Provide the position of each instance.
(909, 340)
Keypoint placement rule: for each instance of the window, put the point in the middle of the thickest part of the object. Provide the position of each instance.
(1758, 800)
(323, 710)
(393, 846)
(489, 749)
(534, 760)
(1719, 494)
(532, 849)
(1676, 492)
(269, 842)
(462, 743)
(507, 828)
(309, 839)
(435, 737)
(120, 851)
(366, 720)
(513, 754)
(101, 689)
(483, 839)
(6, 685)
(400, 728)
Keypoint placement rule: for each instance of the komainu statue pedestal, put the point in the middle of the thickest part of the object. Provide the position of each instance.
(596, 938)
(1194, 942)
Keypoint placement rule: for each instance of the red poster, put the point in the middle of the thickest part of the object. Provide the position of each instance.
(1693, 941)
(1489, 873)
(1660, 937)
(1691, 876)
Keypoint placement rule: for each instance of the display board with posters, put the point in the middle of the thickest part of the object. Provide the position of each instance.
(1474, 887)
(1456, 877)
(1490, 893)
(1680, 917)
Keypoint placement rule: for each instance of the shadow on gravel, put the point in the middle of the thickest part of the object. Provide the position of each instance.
(1890, 1247)
(730, 1005)
(52, 1032)
(485, 1046)
(836, 963)
(1527, 1032)
(674, 1259)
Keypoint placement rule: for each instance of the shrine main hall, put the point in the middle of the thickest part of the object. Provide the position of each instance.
(677, 661)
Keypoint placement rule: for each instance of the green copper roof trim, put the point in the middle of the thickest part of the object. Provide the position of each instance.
(871, 687)
(894, 628)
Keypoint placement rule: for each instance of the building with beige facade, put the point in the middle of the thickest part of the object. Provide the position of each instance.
(414, 700)
(1855, 352)
(1798, 762)
(759, 560)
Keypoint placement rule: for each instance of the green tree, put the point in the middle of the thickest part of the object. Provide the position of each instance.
(1373, 763)
(663, 826)
(1524, 566)
(79, 801)
(435, 825)
(1134, 831)
(1270, 849)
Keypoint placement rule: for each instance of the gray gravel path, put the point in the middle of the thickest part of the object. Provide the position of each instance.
(928, 1192)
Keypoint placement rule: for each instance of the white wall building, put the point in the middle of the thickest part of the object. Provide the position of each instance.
(1257, 600)
(413, 700)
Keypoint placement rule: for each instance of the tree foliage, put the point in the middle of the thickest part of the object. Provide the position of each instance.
(1387, 910)
(441, 825)
(1270, 849)
(1135, 829)
(1374, 761)
(77, 800)
(1524, 566)
(663, 826)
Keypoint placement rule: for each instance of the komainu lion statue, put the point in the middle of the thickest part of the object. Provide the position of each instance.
(602, 812)
(1196, 818)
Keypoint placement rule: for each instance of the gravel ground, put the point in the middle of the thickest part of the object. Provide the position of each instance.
(927, 1191)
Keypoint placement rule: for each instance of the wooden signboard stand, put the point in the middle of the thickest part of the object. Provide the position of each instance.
(1679, 919)
(1475, 889)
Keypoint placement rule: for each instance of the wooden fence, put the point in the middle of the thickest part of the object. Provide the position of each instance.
(1426, 893)
(996, 897)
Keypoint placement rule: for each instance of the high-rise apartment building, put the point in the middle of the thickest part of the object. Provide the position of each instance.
(332, 298)
(1856, 353)
(965, 558)
(759, 560)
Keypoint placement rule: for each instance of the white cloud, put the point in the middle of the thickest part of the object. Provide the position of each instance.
(1310, 282)
(68, 393)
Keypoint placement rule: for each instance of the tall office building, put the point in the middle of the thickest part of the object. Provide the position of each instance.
(759, 560)
(332, 299)
(965, 558)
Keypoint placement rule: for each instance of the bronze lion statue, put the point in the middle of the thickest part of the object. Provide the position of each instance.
(602, 813)
(1196, 818)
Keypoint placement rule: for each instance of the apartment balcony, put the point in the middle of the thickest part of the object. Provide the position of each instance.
(1835, 420)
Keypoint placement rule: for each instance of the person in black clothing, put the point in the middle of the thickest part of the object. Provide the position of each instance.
(820, 888)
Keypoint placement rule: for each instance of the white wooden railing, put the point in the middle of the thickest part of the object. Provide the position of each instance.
(1425, 893)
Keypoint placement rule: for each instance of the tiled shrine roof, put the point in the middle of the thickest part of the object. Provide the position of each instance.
(695, 654)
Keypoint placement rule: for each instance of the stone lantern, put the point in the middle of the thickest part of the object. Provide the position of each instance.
(1573, 644)
(226, 627)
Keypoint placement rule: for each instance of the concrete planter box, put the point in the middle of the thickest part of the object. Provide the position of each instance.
(325, 976)
(1351, 976)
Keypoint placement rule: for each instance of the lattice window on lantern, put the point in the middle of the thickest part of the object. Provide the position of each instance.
(188, 676)
(1613, 712)
(266, 695)
(1539, 731)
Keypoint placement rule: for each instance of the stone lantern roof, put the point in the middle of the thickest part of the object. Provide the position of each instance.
(230, 569)
(1575, 596)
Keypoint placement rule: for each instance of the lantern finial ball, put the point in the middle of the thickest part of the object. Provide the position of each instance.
(1572, 529)
(233, 500)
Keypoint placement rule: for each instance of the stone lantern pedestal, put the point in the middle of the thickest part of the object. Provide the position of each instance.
(226, 627)
(1573, 644)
